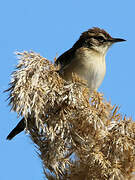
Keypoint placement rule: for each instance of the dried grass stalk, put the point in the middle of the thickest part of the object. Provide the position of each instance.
(77, 139)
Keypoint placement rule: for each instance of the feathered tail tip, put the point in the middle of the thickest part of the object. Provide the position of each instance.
(77, 139)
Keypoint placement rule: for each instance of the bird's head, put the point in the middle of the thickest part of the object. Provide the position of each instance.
(97, 39)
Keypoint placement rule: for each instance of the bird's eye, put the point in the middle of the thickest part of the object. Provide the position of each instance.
(99, 38)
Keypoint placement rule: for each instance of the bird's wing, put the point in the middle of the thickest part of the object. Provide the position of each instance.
(65, 59)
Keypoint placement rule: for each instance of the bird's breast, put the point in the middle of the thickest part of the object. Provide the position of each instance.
(90, 67)
(94, 73)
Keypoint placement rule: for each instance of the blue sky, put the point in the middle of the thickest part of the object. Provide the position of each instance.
(49, 27)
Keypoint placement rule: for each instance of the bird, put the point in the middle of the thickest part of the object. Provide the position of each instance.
(86, 58)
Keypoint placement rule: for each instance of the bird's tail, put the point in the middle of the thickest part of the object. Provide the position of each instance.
(19, 128)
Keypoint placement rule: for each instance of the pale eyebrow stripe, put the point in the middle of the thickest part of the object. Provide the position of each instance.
(100, 34)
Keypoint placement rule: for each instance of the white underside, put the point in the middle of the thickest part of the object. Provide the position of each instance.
(90, 66)
(93, 71)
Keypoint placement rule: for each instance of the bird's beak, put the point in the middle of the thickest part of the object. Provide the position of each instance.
(114, 40)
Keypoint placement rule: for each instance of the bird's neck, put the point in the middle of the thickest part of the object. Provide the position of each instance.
(87, 55)
(91, 67)
(101, 50)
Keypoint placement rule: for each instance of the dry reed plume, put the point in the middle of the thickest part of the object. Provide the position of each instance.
(78, 136)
